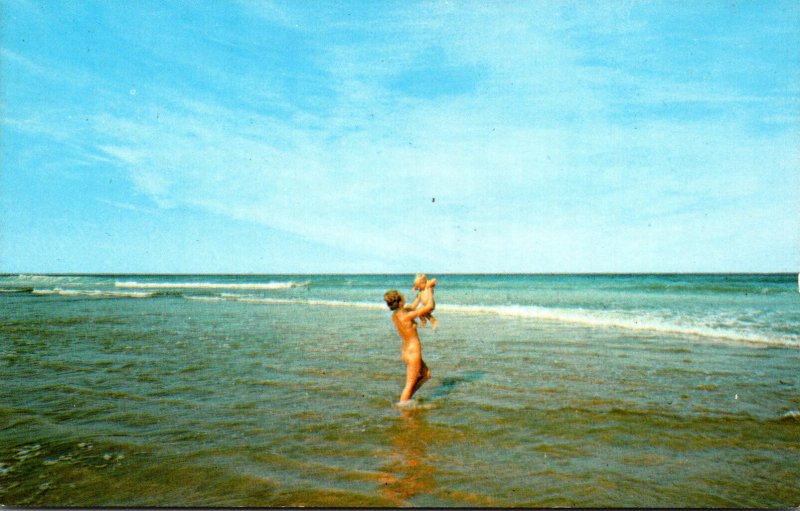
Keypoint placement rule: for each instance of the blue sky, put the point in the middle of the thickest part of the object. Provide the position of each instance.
(280, 137)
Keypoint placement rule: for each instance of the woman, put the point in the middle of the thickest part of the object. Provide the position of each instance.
(417, 372)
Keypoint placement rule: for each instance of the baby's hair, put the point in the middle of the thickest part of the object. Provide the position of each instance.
(419, 277)
(393, 299)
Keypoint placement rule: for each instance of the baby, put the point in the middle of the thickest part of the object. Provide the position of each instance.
(424, 298)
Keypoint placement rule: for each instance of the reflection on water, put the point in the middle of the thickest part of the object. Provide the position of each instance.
(410, 471)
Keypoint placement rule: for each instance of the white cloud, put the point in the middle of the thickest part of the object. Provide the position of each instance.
(504, 199)
(533, 168)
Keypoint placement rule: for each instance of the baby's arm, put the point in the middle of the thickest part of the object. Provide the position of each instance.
(422, 311)
(431, 283)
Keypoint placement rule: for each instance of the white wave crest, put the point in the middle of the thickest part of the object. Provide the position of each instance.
(209, 285)
(626, 321)
(791, 414)
(44, 280)
(207, 298)
(286, 301)
(94, 293)
(601, 319)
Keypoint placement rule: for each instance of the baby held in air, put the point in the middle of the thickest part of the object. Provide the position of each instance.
(424, 299)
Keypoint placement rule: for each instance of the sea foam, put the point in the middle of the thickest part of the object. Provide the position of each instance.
(209, 285)
(287, 301)
(627, 321)
(94, 293)
(592, 318)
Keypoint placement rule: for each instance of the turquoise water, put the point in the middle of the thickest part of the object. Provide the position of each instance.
(264, 390)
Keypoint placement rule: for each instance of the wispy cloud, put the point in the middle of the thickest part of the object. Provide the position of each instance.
(482, 137)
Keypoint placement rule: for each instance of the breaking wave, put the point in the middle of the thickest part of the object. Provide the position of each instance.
(626, 321)
(95, 293)
(593, 318)
(286, 301)
(16, 290)
(209, 285)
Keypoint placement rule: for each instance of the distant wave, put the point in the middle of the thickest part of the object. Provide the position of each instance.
(95, 293)
(16, 290)
(629, 322)
(578, 316)
(286, 301)
(790, 416)
(685, 326)
(24, 279)
(209, 285)
(666, 287)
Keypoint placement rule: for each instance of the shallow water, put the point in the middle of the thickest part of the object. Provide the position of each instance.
(565, 390)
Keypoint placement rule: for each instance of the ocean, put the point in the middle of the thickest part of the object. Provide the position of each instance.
(279, 390)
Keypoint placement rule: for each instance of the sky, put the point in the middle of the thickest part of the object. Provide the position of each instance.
(395, 136)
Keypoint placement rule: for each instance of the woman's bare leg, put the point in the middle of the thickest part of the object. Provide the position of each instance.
(424, 374)
(412, 375)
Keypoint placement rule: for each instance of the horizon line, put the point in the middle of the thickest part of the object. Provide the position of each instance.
(61, 274)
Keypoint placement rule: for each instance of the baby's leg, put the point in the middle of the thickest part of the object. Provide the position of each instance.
(423, 320)
(434, 322)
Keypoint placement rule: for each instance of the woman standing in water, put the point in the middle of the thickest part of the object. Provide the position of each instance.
(417, 372)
